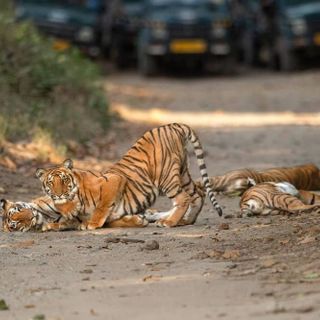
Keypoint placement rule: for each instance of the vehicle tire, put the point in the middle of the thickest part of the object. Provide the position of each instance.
(287, 59)
(147, 65)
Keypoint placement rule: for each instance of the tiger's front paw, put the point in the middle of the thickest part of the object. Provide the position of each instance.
(141, 221)
(88, 226)
(165, 223)
(46, 227)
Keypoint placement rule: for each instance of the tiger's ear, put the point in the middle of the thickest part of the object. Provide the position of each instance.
(3, 204)
(68, 164)
(39, 173)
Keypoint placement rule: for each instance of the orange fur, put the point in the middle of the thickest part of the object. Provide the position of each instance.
(308, 197)
(306, 177)
(40, 214)
(269, 197)
(155, 165)
(22, 216)
(134, 221)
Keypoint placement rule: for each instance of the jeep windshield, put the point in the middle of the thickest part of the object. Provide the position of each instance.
(93, 5)
(210, 5)
(292, 3)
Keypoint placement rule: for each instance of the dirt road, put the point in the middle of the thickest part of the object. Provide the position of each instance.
(235, 268)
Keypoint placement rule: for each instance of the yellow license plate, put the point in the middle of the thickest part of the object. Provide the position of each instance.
(188, 46)
(317, 39)
(61, 45)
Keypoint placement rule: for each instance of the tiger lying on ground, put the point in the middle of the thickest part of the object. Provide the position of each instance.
(155, 165)
(274, 198)
(23, 216)
(39, 215)
(234, 183)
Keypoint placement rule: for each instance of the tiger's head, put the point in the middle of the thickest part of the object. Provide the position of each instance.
(59, 182)
(18, 216)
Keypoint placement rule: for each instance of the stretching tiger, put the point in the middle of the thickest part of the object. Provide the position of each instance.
(155, 165)
(41, 215)
(271, 197)
(233, 183)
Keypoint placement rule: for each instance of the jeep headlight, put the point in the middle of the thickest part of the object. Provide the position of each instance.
(85, 34)
(298, 26)
(159, 30)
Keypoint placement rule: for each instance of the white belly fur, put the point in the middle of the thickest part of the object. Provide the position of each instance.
(117, 212)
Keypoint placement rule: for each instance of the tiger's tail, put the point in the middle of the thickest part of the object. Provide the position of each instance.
(198, 150)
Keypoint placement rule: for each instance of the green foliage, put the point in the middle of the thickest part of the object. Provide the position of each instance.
(44, 89)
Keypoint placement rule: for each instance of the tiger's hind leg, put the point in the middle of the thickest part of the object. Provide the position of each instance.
(173, 189)
(197, 195)
(181, 206)
(134, 221)
(189, 217)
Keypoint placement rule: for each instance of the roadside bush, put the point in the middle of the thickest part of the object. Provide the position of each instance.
(42, 89)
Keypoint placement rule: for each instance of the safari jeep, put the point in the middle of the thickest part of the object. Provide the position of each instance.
(84, 23)
(292, 32)
(185, 30)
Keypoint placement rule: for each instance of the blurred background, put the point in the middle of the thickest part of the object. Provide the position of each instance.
(70, 69)
(279, 34)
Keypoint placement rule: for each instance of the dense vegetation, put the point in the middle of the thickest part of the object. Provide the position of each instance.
(45, 91)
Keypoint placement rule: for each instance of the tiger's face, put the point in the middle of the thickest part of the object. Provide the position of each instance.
(17, 216)
(59, 182)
